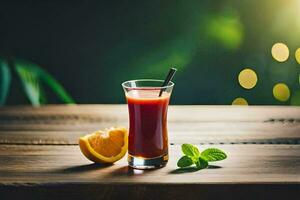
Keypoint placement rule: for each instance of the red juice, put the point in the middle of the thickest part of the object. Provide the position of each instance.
(148, 135)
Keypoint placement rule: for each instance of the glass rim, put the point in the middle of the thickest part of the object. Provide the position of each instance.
(170, 84)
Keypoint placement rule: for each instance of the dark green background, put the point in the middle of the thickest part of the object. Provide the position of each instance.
(91, 47)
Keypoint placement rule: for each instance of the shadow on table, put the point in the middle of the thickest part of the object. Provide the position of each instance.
(213, 167)
(84, 168)
(125, 170)
(191, 169)
(128, 171)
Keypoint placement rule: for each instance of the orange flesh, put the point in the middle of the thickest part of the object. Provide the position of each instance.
(107, 145)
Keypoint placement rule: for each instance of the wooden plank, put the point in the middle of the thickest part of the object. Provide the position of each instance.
(102, 113)
(200, 124)
(60, 171)
(39, 164)
(56, 172)
(197, 133)
(96, 191)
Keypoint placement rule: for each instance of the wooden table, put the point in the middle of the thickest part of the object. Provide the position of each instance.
(40, 158)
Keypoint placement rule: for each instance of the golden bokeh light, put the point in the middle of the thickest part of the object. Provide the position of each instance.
(297, 55)
(240, 101)
(280, 52)
(281, 92)
(247, 78)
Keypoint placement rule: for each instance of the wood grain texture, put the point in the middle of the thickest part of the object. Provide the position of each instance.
(62, 114)
(152, 191)
(47, 172)
(197, 124)
(39, 164)
(212, 133)
(40, 159)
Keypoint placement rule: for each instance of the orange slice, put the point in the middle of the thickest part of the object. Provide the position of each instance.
(105, 146)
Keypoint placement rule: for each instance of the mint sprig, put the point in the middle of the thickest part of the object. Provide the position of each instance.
(213, 154)
(192, 156)
(185, 161)
(190, 150)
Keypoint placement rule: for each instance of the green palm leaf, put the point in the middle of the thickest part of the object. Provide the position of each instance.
(33, 78)
(56, 87)
(30, 82)
(5, 80)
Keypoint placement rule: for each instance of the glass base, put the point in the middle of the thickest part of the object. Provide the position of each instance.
(147, 163)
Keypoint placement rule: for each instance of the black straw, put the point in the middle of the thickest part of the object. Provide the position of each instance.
(169, 77)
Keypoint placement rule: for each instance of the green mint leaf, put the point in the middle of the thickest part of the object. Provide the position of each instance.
(196, 152)
(213, 154)
(201, 163)
(190, 150)
(185, 161)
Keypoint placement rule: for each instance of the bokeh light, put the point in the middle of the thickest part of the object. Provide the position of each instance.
(247, 78)
(226, 29)
(240, 101)
(280, 52)
(297, 55)
(281, 92)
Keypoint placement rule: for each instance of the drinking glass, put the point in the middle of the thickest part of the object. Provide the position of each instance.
(148, 104)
